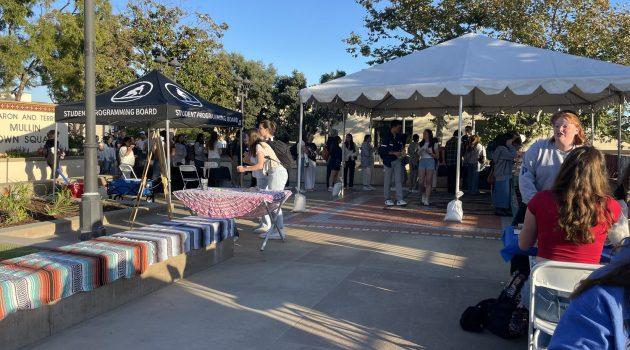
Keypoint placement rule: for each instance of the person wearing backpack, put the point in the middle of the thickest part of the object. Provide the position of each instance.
(267, 161)
(282, 150)
(392, 151)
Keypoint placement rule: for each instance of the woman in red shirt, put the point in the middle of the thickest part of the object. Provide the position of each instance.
(571, 220)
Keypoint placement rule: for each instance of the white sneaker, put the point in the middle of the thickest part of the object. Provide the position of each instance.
(414, 191)
(365, 188)
(401, 203)
(371, 188)
(389, 203)
(425, 201)
(262, 229)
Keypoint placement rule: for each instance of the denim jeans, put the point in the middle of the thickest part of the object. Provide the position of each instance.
(276, 179)
(472, 178)
(393, 173)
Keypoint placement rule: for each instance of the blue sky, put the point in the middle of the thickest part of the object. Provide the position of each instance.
(290, 34)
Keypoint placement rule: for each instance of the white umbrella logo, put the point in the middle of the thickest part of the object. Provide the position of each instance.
(182, 95)
(132, 92)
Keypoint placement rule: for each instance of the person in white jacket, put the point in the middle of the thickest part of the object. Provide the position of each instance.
(543, 159)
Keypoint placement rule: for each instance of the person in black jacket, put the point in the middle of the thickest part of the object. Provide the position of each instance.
(334, 160)
(392, 151)
(51, 152)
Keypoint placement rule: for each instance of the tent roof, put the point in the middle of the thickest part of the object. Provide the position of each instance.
(491, 74)
(150, 101)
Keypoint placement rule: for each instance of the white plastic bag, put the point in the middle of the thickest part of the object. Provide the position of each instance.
(454, 210)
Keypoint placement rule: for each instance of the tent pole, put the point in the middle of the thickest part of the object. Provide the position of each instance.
(299, 147)
(621, 103)
(592, 126)
(459, 145)
(240, 141)
(54, 171)
(167, 150)
(343, 155)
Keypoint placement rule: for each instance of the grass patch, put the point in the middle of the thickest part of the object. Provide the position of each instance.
(9, 251)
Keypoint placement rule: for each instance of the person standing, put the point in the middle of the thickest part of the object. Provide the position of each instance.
(53, 155)
(414, 158)
(350, 157)
(503, 159)
(326, 156)
(541, 163)
(261, 180)
(200, 152)
(543, 159)
(474, 160)
(310, 162)
(267, 161)
(450, 159)
(109, 162)
(334, 160)
(392, 150)
(367, 162)
(428, 150)
(126, 156)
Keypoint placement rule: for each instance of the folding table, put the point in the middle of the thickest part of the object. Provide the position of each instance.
(228, 203)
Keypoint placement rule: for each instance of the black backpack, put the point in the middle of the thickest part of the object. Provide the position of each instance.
(505, 318)
(283, 152)
(501, 316)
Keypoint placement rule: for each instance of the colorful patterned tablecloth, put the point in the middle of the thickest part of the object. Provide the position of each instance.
(44, 277)
(224, 203)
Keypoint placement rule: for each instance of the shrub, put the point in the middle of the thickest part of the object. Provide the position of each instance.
(14, 203)
(61, 204)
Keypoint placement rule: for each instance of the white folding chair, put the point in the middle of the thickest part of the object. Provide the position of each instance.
(187, 172)
(127, 172)
(559, 276)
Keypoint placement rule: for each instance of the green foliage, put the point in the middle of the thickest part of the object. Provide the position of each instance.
(61, 204)
(532, 126)
(75, 139)
(19, 152)
(14, 203)
(259, 104)
(591, 28)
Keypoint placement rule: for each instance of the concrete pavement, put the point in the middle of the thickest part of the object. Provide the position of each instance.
(322, 289)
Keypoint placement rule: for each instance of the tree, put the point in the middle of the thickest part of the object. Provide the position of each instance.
(591, 28)
(326, 77)
(19, 46)
(260, 103)
(63, 62)
(154, 30)
(286, 103)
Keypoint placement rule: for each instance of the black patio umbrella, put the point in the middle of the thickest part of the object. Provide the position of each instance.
(149, 102)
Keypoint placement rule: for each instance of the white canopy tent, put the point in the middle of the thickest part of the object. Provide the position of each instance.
(477, 74)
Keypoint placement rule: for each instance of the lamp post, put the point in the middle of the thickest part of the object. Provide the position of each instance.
(242, 90)
(91, 218)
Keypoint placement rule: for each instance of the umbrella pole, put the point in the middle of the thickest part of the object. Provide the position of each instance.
(459, 145)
